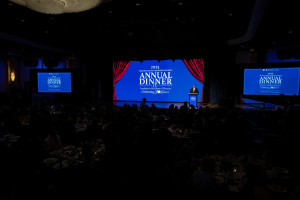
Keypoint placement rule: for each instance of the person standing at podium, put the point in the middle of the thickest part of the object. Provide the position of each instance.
(194, 90)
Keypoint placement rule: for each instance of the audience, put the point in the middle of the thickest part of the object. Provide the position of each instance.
(152, 148)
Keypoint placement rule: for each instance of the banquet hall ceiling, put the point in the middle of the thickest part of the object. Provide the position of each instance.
(119, 25)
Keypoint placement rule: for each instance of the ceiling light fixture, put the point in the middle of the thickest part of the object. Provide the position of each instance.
(59, 6)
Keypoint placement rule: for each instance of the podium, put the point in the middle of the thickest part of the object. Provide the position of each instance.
(193, 99)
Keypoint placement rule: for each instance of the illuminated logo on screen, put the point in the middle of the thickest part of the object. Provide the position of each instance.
(54, 82)
(155, 80)
(270, 81)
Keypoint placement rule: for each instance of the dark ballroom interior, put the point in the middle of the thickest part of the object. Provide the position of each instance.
(239, 141)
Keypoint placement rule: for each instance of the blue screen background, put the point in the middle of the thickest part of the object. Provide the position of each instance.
(54, 82)
(289, 84)
(128, 87)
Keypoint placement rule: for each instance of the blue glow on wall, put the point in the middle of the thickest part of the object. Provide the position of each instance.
(60, 65)
(273, 58)
(41, 65)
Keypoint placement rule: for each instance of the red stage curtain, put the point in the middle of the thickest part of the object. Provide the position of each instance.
(119, 69)
(196, 68)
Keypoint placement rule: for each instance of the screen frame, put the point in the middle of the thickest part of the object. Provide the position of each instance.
(42, 74)
(201, 93)
(269, 98)
(74, 79)
(244, 73)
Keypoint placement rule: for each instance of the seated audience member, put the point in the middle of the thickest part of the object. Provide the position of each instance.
(52, 141)
(202, 180)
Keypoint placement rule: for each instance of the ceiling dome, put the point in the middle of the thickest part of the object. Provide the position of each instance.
(58, 6)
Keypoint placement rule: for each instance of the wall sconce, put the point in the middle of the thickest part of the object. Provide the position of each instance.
(12, 76)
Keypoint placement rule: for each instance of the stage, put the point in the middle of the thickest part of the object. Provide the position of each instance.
(247, 104)
(156, 103)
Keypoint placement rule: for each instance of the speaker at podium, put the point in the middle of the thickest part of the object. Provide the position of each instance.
(193, 95)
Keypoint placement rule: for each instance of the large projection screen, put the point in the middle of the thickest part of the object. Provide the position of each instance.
(161, 81)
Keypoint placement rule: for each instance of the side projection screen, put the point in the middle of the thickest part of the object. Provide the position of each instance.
(271, 81)
(54, 82)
